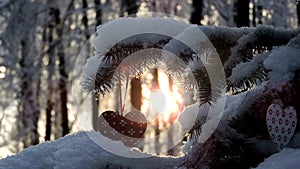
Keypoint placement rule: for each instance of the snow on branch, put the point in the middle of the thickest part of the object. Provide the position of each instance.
(287, 158)
(224, 38)
(246, 74)
(284, 62)
(233, 45)
(261, 38)
(78, 151)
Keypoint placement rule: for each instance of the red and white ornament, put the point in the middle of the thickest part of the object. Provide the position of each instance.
(281, 124)
(129, 128)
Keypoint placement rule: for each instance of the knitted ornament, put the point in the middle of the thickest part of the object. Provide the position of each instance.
(281, 124)
(129, 128)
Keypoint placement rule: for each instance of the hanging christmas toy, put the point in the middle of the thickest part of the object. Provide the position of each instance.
(281, 124)
(114, 125)
(129, 128)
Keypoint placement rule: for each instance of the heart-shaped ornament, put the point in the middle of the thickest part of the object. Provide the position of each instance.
(281, 124)
(129, 129)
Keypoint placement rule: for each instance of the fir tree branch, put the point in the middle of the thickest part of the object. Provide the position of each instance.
(247, 74)
(259, 40)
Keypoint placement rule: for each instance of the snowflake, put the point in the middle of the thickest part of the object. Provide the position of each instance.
(105, 123)
(122, 123)
(131, 131)
(114, 132)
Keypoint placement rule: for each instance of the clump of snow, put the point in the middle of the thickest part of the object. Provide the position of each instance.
(283, 63)
(89, 72)
(78, 151)
(122, 28)
(246, 69)
(285, 159)
(261, 36)
(199, 112)
(191, 114)
(192, 37)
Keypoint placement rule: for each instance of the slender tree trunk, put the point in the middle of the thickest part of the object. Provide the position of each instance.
(171, 131)
(259, 9)
(48, 116)
(95, 96)
(254, 14)
(51, 69)
(129, 6)
(29, 108)
(98, 12)
(196, 15)
(242, 13)
(63, 76)
(136, 94)
(95, 110)
(87, 36)
(63, 91)
(85, 20)
(298, 12)
(157, 121)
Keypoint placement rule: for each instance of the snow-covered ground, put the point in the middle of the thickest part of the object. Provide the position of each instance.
(78, 151)
(285, 159)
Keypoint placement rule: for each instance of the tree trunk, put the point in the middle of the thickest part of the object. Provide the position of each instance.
(98, 12)
(95, 110)
(197, 9)
(51, 69)
(129, 6)
(136, 94)
(259, 9)
(298, 12)
(254, 14)
(63, 91)
(242, 13)
(51, 72)
(29, 108)
(95, 97)
(63, 76)
(157, 119)
(85, 20)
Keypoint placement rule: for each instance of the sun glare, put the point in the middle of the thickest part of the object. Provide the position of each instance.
(158, 102)
(163, 101)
